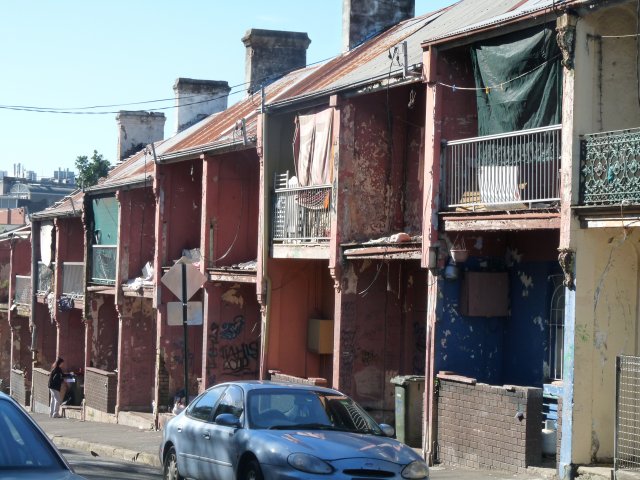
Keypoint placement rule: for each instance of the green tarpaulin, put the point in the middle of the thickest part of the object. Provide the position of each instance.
(105, 214)
(531, 101)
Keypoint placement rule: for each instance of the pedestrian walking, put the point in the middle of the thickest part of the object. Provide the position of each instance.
(56, 379)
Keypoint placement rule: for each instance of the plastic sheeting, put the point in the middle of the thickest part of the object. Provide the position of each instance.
(531, 101)
(46, 243)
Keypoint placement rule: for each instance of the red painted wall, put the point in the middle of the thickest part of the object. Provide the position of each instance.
(300, 290)
(137, 352)
(71, 339)
(231, 191)
(137, 235)
(103, 342)
(232, 341)
(182, 208)
(382, 330)
(70, 240)
(380, 176)
(46, 336)
(5, 349)
(5, 269)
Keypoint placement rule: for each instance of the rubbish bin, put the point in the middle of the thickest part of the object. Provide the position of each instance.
(409, 405)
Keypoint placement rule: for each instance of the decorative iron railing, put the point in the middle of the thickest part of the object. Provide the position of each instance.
(46, 278)
(72, 279)
(506, 171)
(610, 168)
(103, 265)
(23, 290)
(302, 214)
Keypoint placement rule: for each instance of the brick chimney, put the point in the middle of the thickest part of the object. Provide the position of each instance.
(137, 129)
(197, 99)
(362, 19)
(271, 54)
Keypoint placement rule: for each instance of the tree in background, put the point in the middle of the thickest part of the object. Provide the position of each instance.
(91, 169)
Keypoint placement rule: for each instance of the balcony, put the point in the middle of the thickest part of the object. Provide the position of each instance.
(72, 279)
(302, 215)
(510, 171)
(46, 276)
(23, 290)
(610, 168)
(103, 265)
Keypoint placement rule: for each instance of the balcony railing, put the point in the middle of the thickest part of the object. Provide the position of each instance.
(506, 171)
(72, 279)
(45, 278)
(23, 290)
(610, 168)
(103, 266)
(302, 214)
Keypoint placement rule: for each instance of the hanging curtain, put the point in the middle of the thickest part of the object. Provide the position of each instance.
(46, 243)
(531, 101)
(312, 148)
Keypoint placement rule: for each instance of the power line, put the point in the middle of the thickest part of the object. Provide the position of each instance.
(84, 110)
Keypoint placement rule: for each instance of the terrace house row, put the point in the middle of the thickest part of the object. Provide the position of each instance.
(396, 210)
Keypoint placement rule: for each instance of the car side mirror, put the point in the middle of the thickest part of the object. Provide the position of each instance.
(387, 430)
(228, 420)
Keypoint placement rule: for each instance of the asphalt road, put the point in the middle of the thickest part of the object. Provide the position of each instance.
(104, 468)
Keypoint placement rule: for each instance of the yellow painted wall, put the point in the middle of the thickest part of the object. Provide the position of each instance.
(603, 97)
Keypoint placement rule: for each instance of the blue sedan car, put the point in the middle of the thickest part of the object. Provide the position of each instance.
(265, 430)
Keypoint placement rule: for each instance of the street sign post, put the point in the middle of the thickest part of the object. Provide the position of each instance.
(184, 279)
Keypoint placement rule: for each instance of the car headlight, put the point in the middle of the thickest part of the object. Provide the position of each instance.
(416, 469)
(310, 464)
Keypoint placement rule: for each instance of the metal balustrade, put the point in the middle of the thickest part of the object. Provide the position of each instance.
(302, 214)
(506, 171)
(103, 265)
(610, 168)
(72, 279)
(23, 290)
(46, 276)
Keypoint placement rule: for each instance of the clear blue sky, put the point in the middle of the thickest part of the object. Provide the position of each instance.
(77, 53)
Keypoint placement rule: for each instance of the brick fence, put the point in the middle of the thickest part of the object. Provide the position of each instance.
(485, 426)
(40, 401)
(20, 387)
(100, 389)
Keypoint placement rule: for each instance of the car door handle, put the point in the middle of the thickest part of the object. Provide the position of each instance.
(206, 435)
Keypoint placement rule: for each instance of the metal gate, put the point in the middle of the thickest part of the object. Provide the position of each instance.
(627, 432)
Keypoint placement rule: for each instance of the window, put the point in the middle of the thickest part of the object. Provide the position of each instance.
(202, 407)
(231, 402)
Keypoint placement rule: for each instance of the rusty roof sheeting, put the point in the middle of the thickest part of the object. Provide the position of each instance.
(71, 205)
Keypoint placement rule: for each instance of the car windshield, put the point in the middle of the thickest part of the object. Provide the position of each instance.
(307, 409)
(22, 446)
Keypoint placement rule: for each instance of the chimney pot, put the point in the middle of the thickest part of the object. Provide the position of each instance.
(137, 129)
(197, 99)
(362, 19)
(270, 54)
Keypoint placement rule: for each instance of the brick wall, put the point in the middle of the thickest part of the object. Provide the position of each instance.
(100, 389)
(479, 425)
(20, 387)
(40, 401)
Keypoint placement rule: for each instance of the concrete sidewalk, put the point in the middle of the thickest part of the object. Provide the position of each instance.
(141, 445)
(103, 439)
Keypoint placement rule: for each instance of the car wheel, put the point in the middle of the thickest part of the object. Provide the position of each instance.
(252, 471)
(170, 467)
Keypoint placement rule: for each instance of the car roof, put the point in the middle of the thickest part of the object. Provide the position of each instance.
(251, 385)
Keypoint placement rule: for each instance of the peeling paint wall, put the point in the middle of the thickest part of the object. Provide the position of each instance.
(232, 341)
(230, 216)
(46, 336)
(137, 350)
(103, 317)
(606, 325)
(71, 339)
(382, 331)
(5, 349)
(182, 208)
(501, 350)
(379, 167)
(300, 290)
(137, 231)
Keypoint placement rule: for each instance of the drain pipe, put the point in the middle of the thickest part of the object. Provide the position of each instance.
(266, 281)
(35, 247)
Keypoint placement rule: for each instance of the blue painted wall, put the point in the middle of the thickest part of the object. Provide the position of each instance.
(501, 350)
